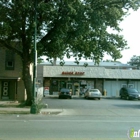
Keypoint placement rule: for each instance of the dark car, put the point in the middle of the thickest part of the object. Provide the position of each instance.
(129, 93)
(65, 93)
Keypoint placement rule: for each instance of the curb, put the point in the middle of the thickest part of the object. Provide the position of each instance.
(11, 110)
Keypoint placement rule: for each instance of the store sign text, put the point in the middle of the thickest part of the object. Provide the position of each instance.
(73, 73)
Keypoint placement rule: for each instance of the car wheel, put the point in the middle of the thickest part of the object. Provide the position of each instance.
(99, 98)
(121, 97)
(59, 97)
(127, 97)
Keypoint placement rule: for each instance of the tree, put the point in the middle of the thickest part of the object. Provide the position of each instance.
(40, 60)
(135, 61)
(71, 27)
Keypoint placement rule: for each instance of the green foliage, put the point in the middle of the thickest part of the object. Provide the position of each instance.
(62, 63)
(65, 26)
(80, 28)
(85, 64)
(135, 61)
(40, 60)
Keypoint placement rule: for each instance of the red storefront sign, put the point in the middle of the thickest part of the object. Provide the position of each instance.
(73, 73)
(46, 88)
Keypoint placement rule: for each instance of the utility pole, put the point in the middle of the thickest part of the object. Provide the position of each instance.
(33, 106)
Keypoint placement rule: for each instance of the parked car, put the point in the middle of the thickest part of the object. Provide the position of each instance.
(129, 93)
(93, 93)
(65, 93)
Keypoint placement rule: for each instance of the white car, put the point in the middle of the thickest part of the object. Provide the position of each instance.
(93, 93)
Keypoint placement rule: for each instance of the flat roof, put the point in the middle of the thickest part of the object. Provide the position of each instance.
(89, 72)
(81, 63)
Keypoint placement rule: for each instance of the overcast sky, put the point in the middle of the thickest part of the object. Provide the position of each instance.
(131, 32)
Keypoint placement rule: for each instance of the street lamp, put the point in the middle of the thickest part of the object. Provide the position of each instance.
(33, 106)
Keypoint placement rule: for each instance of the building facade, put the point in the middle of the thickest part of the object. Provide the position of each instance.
(11, 84)
(79, 78)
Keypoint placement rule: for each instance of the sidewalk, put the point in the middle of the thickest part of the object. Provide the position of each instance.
(11, 107)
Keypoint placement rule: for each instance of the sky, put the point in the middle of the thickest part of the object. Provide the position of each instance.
(131, 33)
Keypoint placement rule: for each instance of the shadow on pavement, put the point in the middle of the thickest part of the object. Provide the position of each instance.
(128, 106)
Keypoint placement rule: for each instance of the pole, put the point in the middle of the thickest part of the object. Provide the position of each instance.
(33, 106)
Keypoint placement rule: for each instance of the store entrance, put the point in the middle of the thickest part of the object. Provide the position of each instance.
(76, 89)
(69, 86)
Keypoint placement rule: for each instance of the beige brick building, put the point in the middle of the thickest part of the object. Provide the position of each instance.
(11, 84)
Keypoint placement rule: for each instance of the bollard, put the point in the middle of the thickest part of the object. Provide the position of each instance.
(105, 92)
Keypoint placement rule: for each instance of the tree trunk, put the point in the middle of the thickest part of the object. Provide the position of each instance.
(54, 61)
(27, 82)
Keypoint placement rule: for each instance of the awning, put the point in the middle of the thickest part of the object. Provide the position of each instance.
(10, 78)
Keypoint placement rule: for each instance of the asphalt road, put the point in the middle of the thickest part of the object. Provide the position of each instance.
(105, 119)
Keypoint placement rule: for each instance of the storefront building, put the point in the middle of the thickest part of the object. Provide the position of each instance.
(80, 78)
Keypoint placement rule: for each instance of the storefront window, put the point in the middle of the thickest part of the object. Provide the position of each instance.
(63, 84)
(55, 83)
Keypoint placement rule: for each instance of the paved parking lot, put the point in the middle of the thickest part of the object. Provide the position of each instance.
(105, 106)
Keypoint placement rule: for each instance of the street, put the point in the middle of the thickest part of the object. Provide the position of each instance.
(80, 119)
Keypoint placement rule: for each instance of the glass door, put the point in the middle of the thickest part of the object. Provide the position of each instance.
(70, 86)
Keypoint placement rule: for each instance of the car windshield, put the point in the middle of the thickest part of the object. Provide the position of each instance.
(133, 90)
(94, 90)
(64, 90)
